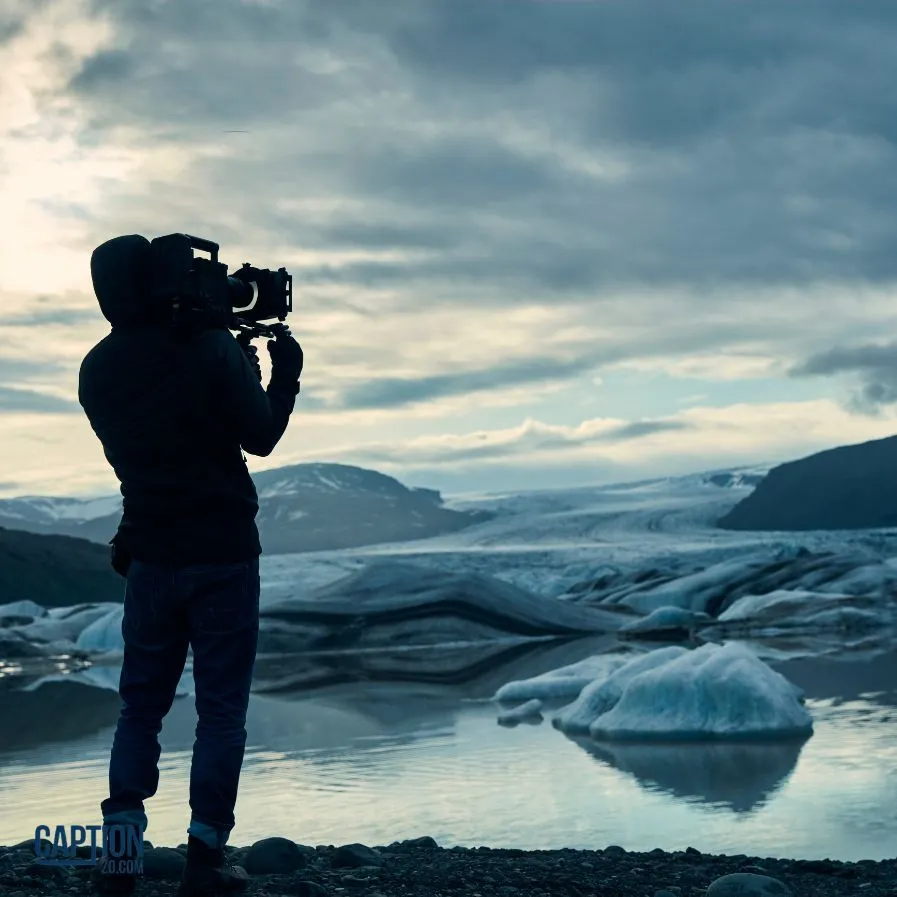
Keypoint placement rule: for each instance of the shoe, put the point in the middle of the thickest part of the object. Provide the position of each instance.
(208, 874)
(113, 882)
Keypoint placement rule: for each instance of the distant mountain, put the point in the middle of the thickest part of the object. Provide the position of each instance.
(304, 507)
(735, 479)
(850, 487)
(55, 571)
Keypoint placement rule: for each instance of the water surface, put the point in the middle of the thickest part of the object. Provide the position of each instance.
(376, 761)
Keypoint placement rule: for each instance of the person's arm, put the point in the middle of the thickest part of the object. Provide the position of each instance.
(259, 416)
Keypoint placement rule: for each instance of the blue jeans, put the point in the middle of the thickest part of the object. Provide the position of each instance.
(213, 608)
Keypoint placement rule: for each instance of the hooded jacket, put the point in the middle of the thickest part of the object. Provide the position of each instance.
(174, 414)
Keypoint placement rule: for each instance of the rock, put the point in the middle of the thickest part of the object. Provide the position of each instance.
(163, 864)
(57, 872)
(614, 850)
(664, 893)
(424, 843)
(274, 856)
(352, 856)
(747, 884)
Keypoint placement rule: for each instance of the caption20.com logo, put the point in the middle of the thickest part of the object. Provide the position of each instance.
(114, 848)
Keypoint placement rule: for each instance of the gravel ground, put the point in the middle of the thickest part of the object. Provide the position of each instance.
(422, 869)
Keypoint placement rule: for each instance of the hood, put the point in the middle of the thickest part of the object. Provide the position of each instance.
(121, 270)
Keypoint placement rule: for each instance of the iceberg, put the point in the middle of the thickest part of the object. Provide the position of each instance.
(666, 623)
(20, 609)
(564, 682)
(103, 635)
(801, 608)
(528, 712)
(602, 695)
(712, 692)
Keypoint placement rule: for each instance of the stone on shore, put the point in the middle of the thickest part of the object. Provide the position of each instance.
(274, 856)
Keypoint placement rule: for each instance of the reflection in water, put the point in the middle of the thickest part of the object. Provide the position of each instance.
(339, 752)
(739, 776)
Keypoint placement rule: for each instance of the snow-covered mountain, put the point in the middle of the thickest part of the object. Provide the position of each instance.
(304, 507)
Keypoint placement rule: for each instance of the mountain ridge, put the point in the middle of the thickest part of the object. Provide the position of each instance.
(846, 487)
(302, 507)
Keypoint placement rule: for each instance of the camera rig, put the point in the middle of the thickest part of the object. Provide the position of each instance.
(202, 295)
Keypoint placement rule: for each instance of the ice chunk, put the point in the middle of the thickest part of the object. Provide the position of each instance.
(104, 634)
(21, 609)
(564, 682)
(666, 621)
(530, 711)
(801, 608)
(716, 691)
(602, 695)
(64, 624)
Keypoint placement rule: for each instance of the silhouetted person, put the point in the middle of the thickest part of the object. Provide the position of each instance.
(174, 412)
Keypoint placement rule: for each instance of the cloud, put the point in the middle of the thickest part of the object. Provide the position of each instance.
(522, 443)
(875, 366)
(393, 392)
(484, 205)
(577, 145)
(17, 401)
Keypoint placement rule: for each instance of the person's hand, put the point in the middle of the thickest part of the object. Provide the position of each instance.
(286, 358)
(252, 355)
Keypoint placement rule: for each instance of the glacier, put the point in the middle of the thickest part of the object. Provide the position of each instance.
(643, 560)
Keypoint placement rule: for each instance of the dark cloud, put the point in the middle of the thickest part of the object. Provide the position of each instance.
(757, 140)
(640, 428)
(875, 366)
(14, 400)
(392, 392)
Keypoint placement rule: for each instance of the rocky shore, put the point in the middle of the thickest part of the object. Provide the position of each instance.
(420, 868)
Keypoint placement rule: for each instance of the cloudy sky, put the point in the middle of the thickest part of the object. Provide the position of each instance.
(533, 243)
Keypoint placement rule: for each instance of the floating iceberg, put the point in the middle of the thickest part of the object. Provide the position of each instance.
(528, 712)
(666, 623)
(388, 604)
(564, 682)
(25, 610)
(716, 691)
(803, 609)
(672, 694)
(602, 695)
(103, 635)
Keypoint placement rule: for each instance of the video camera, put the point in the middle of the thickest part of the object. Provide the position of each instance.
(203, 295)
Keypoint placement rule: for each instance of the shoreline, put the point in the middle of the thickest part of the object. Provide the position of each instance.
(421, 868)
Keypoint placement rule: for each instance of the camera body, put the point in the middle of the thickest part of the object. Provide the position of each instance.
(202, 295)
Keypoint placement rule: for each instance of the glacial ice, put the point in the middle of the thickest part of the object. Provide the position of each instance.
(603, 694)
(715, 691)
(564, 682)
(529, 711)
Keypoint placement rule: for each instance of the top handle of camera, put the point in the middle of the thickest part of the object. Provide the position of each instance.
(204, 245)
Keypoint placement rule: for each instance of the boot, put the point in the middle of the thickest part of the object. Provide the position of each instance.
(208, 874)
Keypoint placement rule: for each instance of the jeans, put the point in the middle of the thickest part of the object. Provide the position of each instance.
(213, 608)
